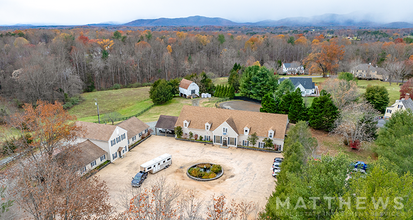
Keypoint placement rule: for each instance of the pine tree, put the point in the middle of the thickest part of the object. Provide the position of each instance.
(297, 111)
(232, 92)
(284, 106)
(322, 112)
(269, 104)
(216, 94)
(227, 91)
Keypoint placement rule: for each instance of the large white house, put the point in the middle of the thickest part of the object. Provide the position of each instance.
(187, 89)
(233, 127)
(403, 104)
(110, 138)
(305, 84)
(135, 129)
(292, 68)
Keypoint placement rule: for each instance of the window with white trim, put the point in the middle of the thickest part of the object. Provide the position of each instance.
(207, 138)
(207, 127)
(83, 170)
(102, 158)
(224, 131)
(388, 111)
(245, 143)
(115, 155)
(93, 164)
(270, 134)
(261, 144)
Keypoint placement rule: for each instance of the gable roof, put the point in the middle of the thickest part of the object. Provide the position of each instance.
(287, 65)
(166, 121)
(365, 66)
(89, 152)
(258, 122)
(408, 103)
(306, 82)
(95, 131)
(185, 83)
(133, 126)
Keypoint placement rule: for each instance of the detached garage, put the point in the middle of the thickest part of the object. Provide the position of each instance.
(188, 89)
(166, 125)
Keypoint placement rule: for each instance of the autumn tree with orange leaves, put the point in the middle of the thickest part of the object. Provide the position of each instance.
(45, 181)
(326, 58)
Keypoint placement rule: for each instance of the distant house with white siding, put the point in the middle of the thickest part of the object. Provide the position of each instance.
(188, 89)
(305, 84)
(399, 105)
(292, 68)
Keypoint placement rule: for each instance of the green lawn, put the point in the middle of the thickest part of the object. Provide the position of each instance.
(125, 101)
(308, 101)
(393, 90)
(172, 108)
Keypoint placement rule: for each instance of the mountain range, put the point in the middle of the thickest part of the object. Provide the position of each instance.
(320, 20)
(354, 19)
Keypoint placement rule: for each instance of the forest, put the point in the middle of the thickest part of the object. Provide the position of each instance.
(56, 64)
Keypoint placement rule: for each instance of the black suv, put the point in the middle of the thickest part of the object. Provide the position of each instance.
(139, 178)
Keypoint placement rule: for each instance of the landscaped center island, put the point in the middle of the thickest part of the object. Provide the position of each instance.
(205, 171)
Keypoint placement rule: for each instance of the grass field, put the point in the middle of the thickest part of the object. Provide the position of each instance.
(393, 90)
(220, 80)
(125, 101)
(172, 108)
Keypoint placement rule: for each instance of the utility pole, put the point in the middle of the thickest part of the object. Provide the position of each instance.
(97, 105)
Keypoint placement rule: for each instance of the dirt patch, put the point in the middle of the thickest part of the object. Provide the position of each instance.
(241, 105)
(332, 144)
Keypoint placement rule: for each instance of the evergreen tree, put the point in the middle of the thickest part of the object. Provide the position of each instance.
(257, 81)
(206, 85)
(285, 103)
(297, 111)
(378, 97)
(217, 88)
(269, 104)
(161, 92)
(231, 92)
(227, 91)
(322, 112)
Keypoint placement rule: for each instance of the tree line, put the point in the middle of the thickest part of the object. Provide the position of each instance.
(46, 64)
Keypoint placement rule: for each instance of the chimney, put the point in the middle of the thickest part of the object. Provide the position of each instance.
(407, 96)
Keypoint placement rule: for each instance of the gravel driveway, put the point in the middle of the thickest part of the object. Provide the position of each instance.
(247, 174)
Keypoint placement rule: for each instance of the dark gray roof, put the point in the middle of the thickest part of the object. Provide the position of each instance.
(408, 104)
(166, 121)
(287, 65)
(365, 66)
(306, 82)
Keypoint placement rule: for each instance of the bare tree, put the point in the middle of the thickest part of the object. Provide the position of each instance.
(112, 117)
(397, 70)
(356, 122)
(342, 92)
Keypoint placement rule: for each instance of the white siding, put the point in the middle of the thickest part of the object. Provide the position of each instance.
(122, 143)
(187, 92)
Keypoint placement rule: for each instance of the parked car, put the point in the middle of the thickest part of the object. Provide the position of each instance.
(276, 164)
(139, 178)
(275, 172)
(360, 165)
(278, 159)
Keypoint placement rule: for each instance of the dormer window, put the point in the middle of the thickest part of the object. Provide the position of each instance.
(186, 124)
(246, 131)
(270, 133)
(207, 126)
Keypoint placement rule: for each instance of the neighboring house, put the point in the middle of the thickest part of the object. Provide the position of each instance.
(305, 84)
(110, 138)
(292, 68)
(233, 127)
(188, 89)
(88, 154)
(135, 128)
(403, 104)
(367, 71)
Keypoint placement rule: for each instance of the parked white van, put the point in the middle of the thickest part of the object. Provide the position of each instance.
(157, 164)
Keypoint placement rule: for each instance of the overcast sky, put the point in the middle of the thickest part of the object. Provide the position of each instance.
(77, 12)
